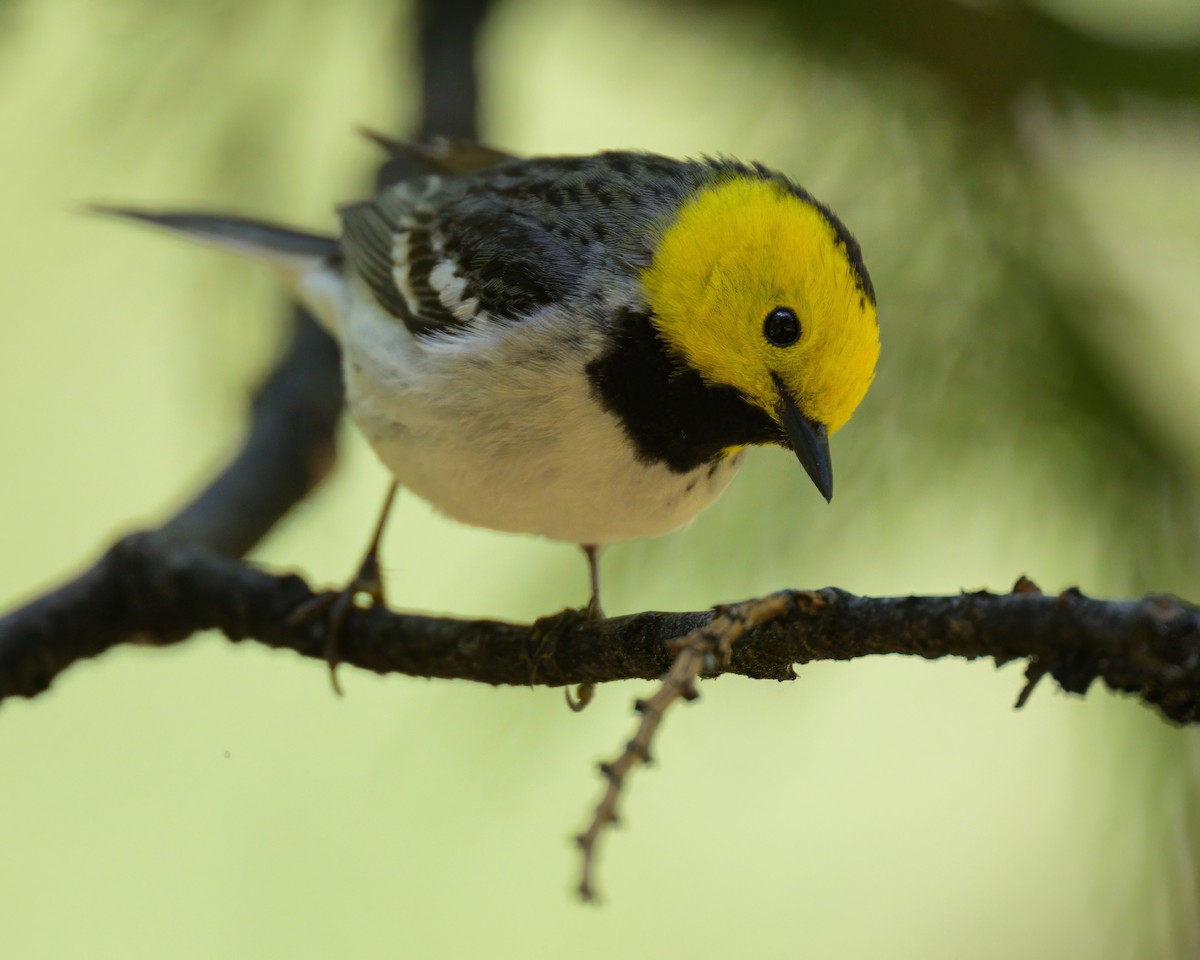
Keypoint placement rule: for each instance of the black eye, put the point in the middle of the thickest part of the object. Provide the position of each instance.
(782, 327)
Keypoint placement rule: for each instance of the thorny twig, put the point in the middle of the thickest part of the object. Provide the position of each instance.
(710, 645)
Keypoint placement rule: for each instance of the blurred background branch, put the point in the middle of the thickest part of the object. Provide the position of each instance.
(986, 56)
(289, 447)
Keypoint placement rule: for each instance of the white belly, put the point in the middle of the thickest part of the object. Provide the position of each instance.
(499, 429)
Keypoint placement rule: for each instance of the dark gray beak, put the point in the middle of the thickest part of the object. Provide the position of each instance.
(810, 441)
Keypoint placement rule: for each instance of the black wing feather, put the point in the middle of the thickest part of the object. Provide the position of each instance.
(513, 262)
(521, 235)
(368, 237)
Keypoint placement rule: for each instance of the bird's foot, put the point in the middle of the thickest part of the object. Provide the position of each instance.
(364, 591)
(548, 630)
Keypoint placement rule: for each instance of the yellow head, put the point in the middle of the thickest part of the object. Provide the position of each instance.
(759, 288)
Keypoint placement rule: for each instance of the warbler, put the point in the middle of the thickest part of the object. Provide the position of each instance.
(581, 347)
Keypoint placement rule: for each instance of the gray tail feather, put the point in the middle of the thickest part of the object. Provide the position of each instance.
(267, 241)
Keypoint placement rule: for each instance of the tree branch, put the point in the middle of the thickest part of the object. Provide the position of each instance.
(153, 588)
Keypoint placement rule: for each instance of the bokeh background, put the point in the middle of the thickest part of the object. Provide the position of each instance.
(1025, 180)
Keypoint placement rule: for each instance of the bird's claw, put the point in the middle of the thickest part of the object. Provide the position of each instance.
(583, 696)
(547, 630)
(334, 607)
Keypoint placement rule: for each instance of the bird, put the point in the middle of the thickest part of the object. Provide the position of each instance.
(578, 347)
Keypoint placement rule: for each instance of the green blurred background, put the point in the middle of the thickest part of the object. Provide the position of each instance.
(1025, 181)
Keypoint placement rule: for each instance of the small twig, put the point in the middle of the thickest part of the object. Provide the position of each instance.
(693, 651)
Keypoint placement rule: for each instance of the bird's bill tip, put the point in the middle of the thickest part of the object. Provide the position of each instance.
(810, 442)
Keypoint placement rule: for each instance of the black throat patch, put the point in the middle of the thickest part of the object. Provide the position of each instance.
(669, 413)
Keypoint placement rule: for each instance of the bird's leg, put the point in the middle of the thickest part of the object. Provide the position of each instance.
(593, 611)
(547, 629)
(367, 581)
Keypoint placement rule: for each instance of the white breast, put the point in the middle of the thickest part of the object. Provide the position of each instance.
(499, 428)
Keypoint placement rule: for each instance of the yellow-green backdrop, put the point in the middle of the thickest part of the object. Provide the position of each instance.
(218, 801)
